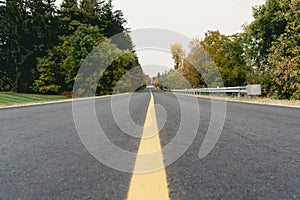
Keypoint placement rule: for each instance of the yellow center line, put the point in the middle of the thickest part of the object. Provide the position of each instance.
(149, 180)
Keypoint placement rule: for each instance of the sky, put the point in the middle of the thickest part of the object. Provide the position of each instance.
(191, 18)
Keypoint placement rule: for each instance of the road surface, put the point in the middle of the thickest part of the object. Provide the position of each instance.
(256, 157)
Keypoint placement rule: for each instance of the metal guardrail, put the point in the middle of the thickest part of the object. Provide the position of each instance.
(250, 90)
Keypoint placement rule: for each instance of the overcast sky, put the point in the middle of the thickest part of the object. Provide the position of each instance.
(189, 17)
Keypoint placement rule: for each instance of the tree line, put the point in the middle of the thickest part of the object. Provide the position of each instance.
(267, 52)
(42, 46)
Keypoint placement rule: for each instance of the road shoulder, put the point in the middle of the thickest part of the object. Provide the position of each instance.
(254, 101)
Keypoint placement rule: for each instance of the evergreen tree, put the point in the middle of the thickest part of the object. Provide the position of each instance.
(43, 35)
(30, 31)
(91, 12)
(6, 73)
(111, 22)
(69, 16)
(16, 52)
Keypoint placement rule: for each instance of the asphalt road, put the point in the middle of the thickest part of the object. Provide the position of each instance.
(256, 157)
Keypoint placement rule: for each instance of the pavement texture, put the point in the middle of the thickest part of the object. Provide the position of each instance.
(256, 157)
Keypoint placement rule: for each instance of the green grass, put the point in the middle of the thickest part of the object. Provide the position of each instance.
(10, 98)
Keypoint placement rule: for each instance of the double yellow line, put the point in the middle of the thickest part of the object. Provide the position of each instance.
(149, 180)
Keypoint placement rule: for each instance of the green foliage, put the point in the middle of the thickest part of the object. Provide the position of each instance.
(284, 58)
(191, 74)
(112, 22)
(77, 51)
(174, 80)
(272, 45)
(133, 80)
(115, 73)
(42, 47)
(228, 56)
(26, 25)
(47, 84)
(69, 17)
(217, 60)
(90, 11)
(268, 25)
(6, 77)
(77, 47)
(206, 68)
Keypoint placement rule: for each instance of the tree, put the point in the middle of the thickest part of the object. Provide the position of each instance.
(91, 12)
(268, 25)
(228, 54)
(16, 52)
(58, 70)
(191, 74)
(6, 73)
(284, 58)
(42, 47)
(86, 47)
(51, 75)
(29, 28)
(112, 25)
(206, 68)
(69, 16)
(271, 45)
(43, 36)
(122, 75)
(79, 45)
(177, 54)
(111, 22)
(174, 80)
(48, 75)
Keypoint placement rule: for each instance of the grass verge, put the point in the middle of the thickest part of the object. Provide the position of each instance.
(10, 98)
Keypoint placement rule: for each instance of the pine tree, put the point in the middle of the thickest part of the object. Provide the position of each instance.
(5, 71)
(69, 16)
(90, 12)
(29, 27)
(111, 22)
(43, 35)
(17, 22)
